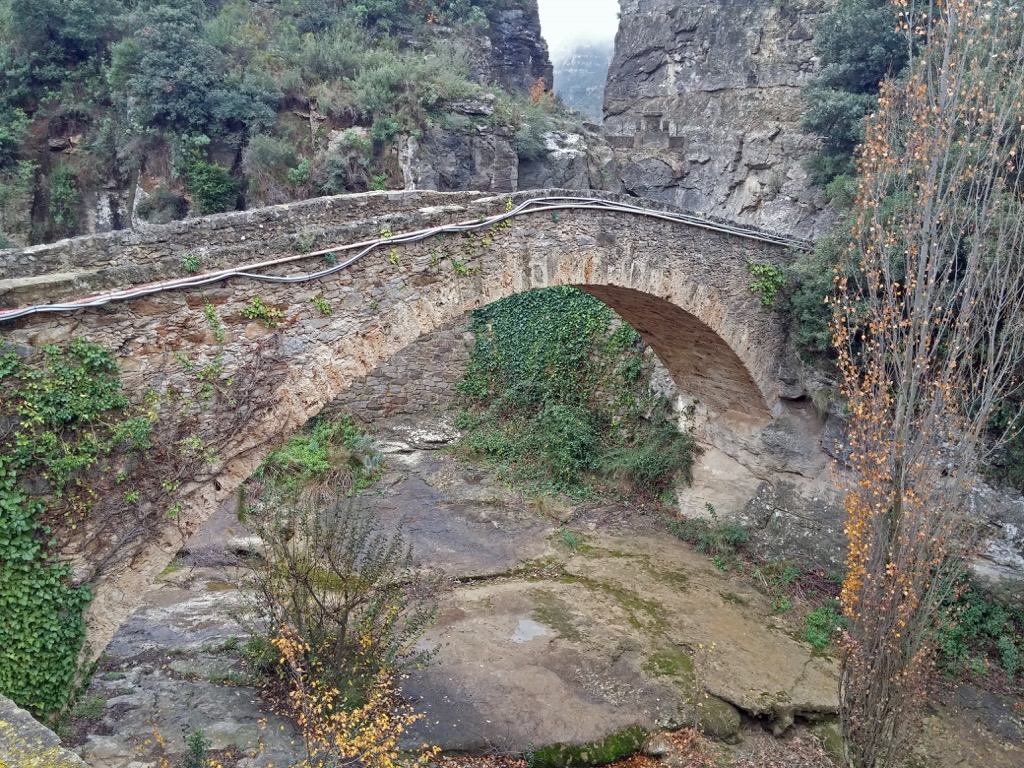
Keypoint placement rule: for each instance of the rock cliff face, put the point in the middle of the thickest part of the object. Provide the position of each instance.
(471, 148)
(518, 52)
(580, 78)
(703, 108)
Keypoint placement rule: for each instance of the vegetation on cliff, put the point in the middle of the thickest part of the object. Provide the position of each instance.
(859, 45)
(209, 105)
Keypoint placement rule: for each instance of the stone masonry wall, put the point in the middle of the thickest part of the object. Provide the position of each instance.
(420, 379)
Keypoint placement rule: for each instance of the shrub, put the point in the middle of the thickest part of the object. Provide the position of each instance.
(338, 176)
(64, 198)
(332, 456)
(348, 589)
(710, 535)
(168, 69)
(197, 750)
(858, 44)
(267, 314)
(336, 733)
(211, 187)
(975, 625)
(16, 181)
(162, 206)
(665, 455)
(822, 624)
(811, 281)
(529, 140)
(384, 129)
(13, 129)
(274, 170)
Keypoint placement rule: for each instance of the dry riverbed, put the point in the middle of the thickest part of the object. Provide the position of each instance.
(563, 624)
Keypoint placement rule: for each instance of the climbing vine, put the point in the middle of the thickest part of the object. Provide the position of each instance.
(42, 630)
(66, 414)
(558, 396)
(83, 469)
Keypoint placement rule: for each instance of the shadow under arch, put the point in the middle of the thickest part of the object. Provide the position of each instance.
(699, 360)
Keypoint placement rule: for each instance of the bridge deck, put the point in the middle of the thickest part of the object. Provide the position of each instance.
(99, 269)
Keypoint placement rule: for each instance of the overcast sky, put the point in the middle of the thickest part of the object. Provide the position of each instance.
(568, 22)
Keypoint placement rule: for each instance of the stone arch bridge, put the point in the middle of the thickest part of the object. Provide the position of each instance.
(321, 292)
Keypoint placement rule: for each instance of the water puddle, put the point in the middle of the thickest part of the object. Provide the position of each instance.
(528, 629)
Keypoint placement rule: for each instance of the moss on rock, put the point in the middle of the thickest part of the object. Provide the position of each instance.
(609, 749)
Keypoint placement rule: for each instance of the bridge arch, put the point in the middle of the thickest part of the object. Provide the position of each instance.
(682, 282)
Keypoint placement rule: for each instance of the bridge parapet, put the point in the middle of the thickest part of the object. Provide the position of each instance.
(71, 268)
(124, 258)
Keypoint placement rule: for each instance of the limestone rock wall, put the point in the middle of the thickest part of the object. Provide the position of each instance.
(581, 75)
(703, 108)
(450, 159)
(467, 151)
(518, 52)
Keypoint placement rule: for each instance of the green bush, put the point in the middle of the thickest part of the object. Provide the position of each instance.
(13, 129)
(167, 68)
(649, 466)
(810, 278)
(529, 142)
(711, 536)
(976, 626)
(274, 169)
(768, 280)
(65, 407)
(64, 198)
(822, 624)
(558, 397)
(211, 187)
(858, 44)
(57, 39)
(384, 129)
(197, 750)
(331, 456)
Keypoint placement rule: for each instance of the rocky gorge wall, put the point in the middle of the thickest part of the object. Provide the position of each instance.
(702, 107)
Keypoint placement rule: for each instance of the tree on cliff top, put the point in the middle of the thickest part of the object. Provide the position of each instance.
(859, 45)
(929, 329)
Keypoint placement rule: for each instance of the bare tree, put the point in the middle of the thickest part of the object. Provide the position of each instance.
(929, 328)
